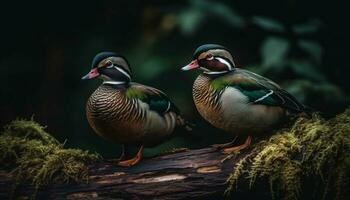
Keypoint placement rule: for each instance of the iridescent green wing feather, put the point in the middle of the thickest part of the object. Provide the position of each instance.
(258, 89)
(156, 99)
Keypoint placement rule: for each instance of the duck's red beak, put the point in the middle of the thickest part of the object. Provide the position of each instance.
(193, 65)
(92, 74)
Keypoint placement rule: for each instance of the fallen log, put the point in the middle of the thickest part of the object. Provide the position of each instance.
(194, 174)
(307, 161)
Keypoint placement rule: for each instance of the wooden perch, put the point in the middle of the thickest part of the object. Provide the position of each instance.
(188, 174)
(308, 161)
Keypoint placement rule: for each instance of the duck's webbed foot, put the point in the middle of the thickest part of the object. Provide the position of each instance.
(235, 149)
(225, 145)
(132, 161)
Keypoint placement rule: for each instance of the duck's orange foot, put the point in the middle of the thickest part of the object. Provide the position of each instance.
(132, 161)
(225, 145)
(236, 149)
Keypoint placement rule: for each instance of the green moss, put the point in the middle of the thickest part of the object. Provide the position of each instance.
(312, 149)
(35, 156)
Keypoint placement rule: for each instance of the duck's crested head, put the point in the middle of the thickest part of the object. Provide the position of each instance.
(207, 47)
(110, 66)
(212, 58)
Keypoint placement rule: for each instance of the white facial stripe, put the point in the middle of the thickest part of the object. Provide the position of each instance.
(223, 61)
(123, 72)
(203, 68)
(207, 71)
(113, 82)
(210, 58)
(110, 66)
(213, 72)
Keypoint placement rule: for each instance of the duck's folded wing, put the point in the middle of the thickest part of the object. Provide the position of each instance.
(156, 99)
(261, 90)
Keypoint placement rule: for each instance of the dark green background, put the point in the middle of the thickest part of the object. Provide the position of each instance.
(47, 46)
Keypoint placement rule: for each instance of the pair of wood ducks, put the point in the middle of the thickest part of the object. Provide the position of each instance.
(232, 99)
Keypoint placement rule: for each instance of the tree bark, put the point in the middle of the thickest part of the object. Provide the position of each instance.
(195, 174)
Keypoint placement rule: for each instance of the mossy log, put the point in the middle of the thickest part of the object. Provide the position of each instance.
(196, 174)
(189, 174)
(307, 161)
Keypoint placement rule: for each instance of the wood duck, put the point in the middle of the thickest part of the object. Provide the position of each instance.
(235, 100)
(128, 113)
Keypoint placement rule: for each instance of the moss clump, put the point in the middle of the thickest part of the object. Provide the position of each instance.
(36, 157)
(313, 149)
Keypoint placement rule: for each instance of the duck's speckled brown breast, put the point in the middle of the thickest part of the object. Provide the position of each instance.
(113, 116)
(207, 101)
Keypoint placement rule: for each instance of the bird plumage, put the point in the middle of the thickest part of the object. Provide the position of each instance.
(131, 115)
(236, 100)
(258, 89)
(125, 112)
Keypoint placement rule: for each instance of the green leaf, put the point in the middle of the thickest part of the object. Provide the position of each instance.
(313, 48)
(304, 89)
(152, 67)
(268, 24)
(221, 10)
(309, 27)
(306, 69)
(189, 20)
(274, 51)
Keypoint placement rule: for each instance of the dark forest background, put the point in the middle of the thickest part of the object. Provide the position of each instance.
(47, 46)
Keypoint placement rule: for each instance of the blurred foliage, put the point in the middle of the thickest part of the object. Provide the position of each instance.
(45, 52)
(268, 24)
(191, 18)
